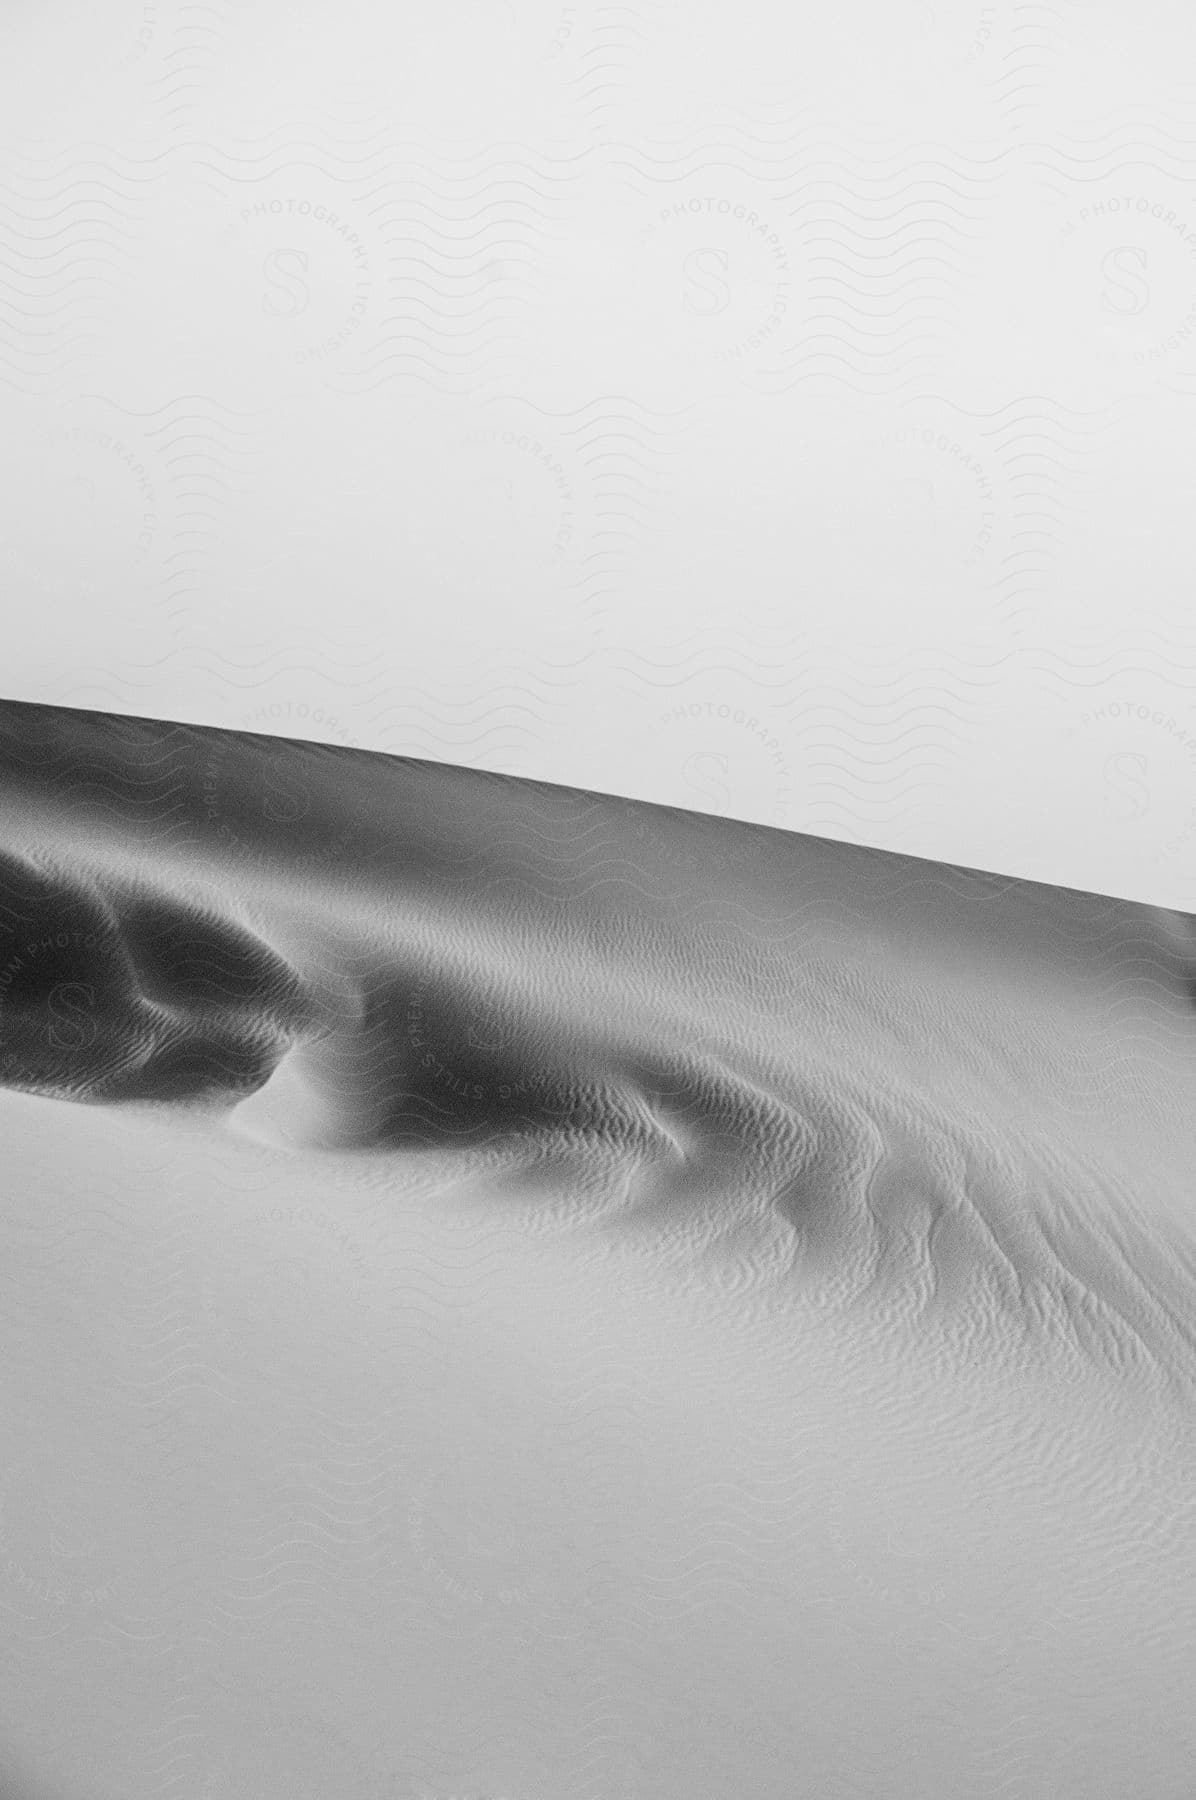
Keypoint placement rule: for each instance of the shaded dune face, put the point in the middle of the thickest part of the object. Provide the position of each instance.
(113, 993)
(908, 1095)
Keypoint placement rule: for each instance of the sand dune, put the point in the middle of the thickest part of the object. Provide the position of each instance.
(552, 1296)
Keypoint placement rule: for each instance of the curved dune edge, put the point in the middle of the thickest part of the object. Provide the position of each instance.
(515, 1293)
(873, 1105)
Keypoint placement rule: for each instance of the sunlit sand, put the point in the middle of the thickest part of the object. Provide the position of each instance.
(519, 1295)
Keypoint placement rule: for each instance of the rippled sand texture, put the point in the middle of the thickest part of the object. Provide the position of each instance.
(514, 1293)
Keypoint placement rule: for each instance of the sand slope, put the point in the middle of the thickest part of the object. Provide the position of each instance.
(513, 1292)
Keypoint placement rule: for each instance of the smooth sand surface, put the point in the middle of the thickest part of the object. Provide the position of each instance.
(513, 1294)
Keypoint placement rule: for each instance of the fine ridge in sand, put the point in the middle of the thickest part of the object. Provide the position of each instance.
(896, 1121)
(512, 1292)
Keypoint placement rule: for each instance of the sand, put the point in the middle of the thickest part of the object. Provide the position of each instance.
(514, 1294)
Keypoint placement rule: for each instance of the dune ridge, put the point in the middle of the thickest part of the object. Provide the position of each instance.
(850, 1105)
(511, 1291)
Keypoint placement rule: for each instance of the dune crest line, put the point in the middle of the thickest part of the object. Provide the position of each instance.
(950, 1101)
